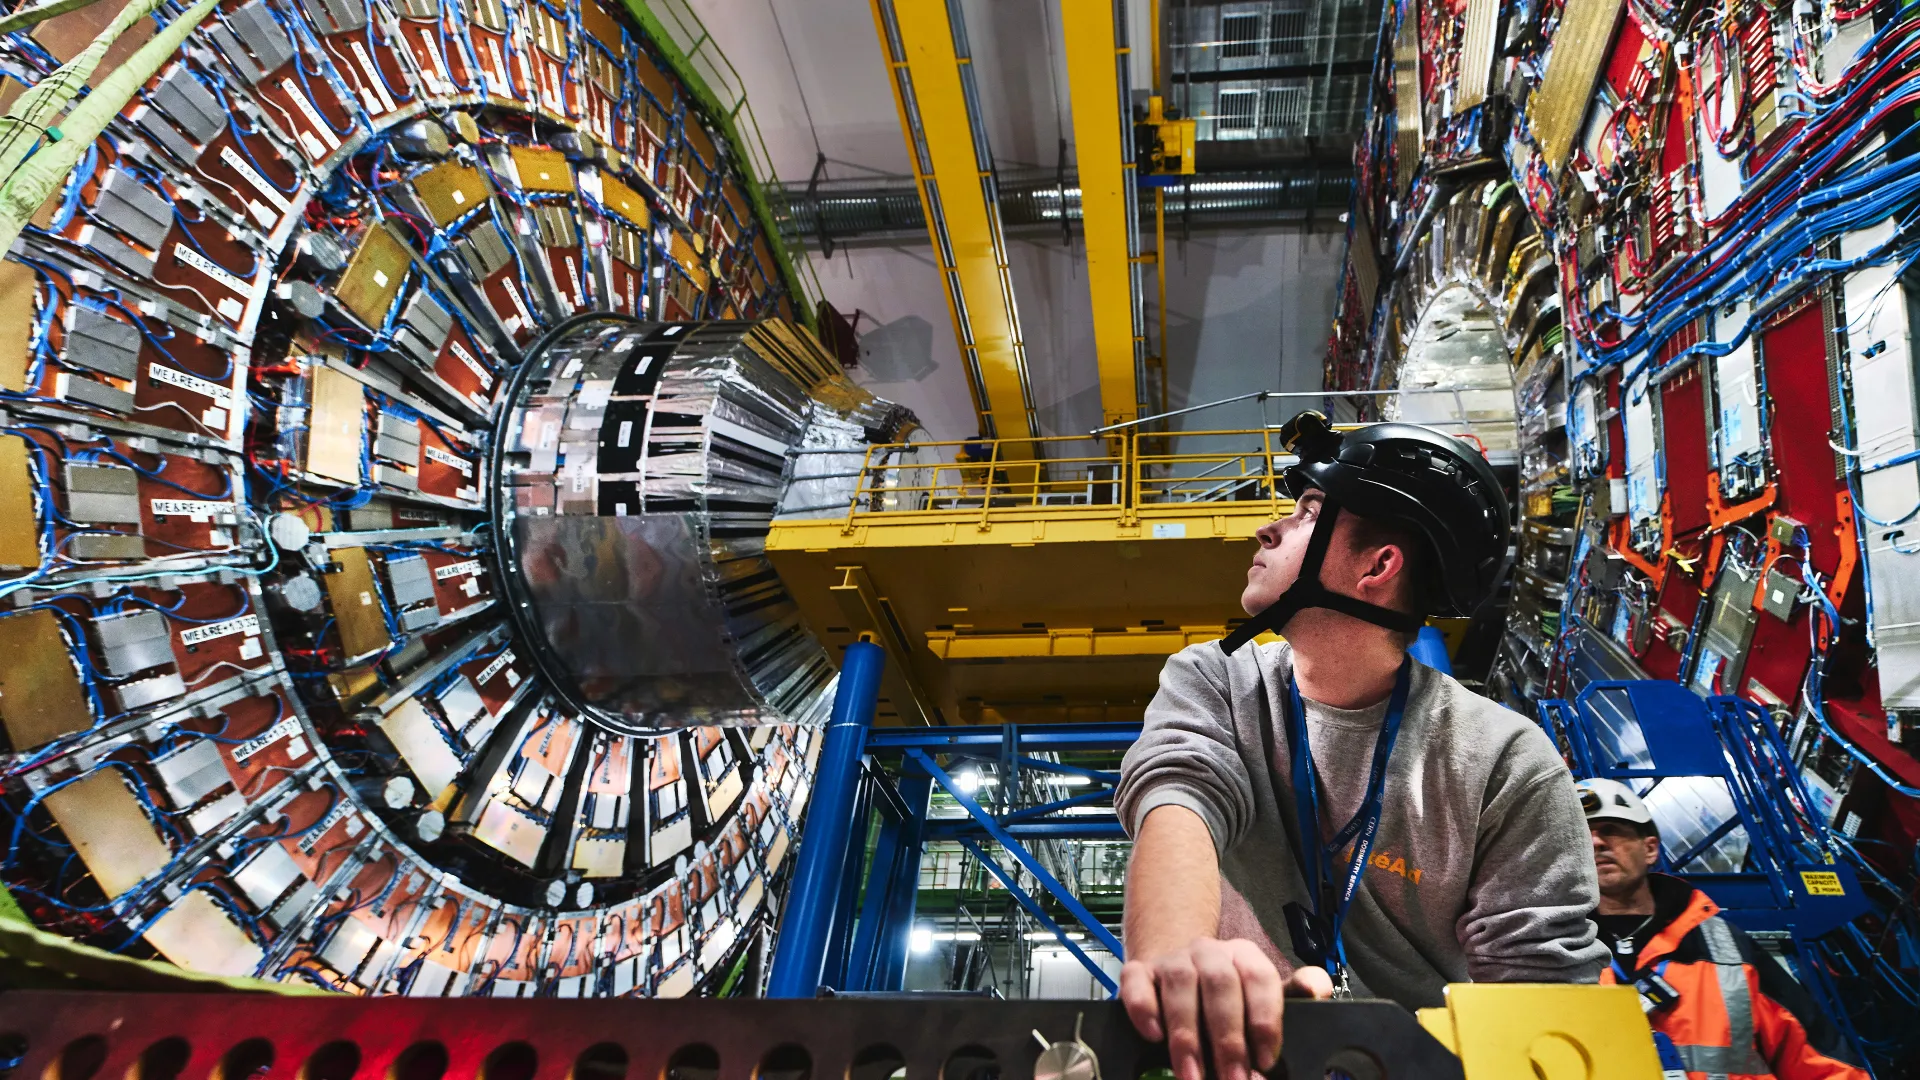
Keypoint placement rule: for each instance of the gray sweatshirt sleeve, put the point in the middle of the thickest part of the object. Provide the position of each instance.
(1534, 883)
(1186, 754)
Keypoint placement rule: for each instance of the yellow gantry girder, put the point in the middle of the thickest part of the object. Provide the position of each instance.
(1096, 73)
(953, 171)
(1010, 597)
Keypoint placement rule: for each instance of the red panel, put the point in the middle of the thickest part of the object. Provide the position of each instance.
(1794, 358)
(1625, 57)
(1867, 729)
(1683, 442)
(224, 638)
(1674, 153)
(1679, 598)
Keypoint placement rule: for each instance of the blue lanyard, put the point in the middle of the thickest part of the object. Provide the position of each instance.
(1629, 978)
(1318, 871)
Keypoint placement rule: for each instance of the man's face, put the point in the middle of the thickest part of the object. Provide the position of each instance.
(1621, 855)
(1283, 546)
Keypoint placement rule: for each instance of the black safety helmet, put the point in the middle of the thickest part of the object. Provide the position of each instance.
(1426, 481)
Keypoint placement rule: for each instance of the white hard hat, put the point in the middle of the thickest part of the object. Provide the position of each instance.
(1612, 800)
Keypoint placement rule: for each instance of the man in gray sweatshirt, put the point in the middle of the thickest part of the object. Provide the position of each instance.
(1445, 840)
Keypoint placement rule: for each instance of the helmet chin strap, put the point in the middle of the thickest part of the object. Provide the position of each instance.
(1307, 591)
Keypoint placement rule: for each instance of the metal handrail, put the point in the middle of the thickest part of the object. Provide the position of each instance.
(906, 480)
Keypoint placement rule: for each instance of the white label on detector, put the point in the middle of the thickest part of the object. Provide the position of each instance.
(254, 180)
(378, 84)
(454, 570)
(435, 68)
(493, 669)
(250, 649)
(206, 266)
(334, 816)
(626, 432)
(467, 358)
(265, 739)
(320, 126)
(459, 197)
(526, 317)
(1170, 531)
(245, 624)
(451, 461)
(380, 278)
(230, 309)
(191, 509)
(190, 383)
(496, 75)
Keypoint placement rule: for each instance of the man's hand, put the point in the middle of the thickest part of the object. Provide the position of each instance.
(1230, 987)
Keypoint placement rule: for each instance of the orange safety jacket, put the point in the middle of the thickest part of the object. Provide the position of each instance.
(1739, 1014)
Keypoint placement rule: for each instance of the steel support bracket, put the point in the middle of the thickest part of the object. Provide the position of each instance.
(866, 612)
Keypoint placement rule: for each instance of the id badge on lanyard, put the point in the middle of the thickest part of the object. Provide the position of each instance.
(1316, 932)
(1656, 992)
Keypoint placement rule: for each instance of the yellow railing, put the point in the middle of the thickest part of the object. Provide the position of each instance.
(1127, 475)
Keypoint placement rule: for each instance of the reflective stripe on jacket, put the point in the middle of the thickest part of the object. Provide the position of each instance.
(1739, 1015)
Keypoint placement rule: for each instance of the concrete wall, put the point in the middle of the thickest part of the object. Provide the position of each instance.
(1245, 312)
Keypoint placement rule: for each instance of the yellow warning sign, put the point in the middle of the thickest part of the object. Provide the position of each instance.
(1822, 883)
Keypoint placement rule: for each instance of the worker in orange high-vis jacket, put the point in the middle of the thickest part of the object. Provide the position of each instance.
(1720, 1008)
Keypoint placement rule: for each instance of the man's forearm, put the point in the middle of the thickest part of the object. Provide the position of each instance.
(1173, 883)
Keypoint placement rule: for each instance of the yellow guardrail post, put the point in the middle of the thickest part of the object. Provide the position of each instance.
(859, 489)
(986, 491)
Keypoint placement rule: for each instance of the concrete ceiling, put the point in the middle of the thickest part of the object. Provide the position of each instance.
(1247, 310)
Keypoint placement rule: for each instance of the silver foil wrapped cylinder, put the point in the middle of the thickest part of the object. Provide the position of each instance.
(638, 467)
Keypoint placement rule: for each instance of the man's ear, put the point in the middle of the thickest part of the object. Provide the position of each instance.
(1653, 849)
(1384, 566)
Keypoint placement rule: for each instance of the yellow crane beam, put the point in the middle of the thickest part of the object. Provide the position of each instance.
(953, 170)
(1102, 131)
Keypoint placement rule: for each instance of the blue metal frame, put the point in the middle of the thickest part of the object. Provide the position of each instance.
(849, 919)
(1040, 916)
(1021, 855)
(1736, 742)
(1038, 739)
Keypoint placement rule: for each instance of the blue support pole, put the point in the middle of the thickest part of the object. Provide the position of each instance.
(814, 896)
(833, 971)
(878, 962)
(890, 969)
(873, 905)
(1431, 649)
